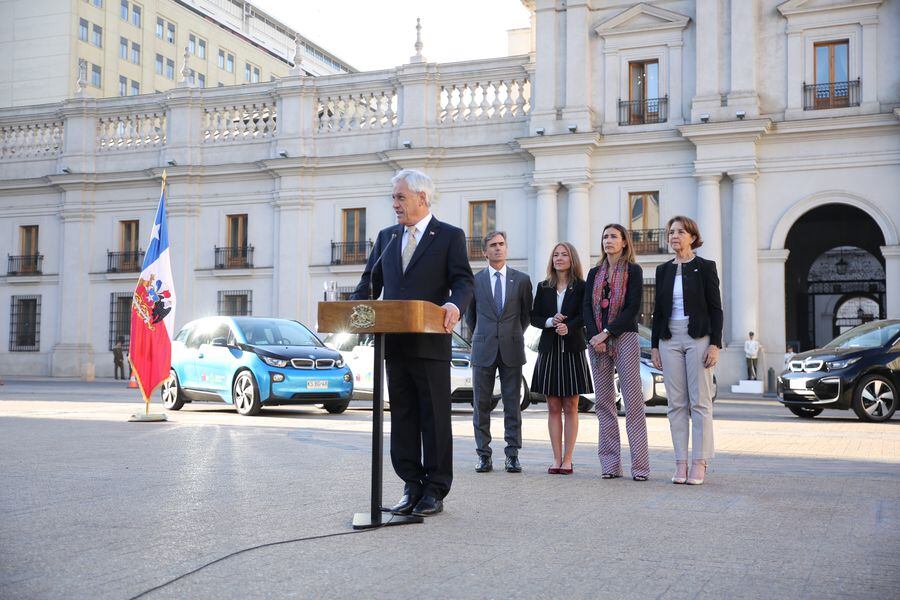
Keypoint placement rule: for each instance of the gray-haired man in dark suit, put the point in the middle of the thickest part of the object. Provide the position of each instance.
(498, 316)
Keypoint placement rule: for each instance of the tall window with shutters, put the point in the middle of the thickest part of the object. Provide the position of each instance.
(832, 70)
(28, 240)
(646, 235)
(236, 254)
(354, 229)
(129, 244)
(482, 219)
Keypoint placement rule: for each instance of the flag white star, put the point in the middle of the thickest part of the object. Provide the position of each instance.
(154, 235)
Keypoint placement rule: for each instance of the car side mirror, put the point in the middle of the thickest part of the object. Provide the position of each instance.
(219, 341)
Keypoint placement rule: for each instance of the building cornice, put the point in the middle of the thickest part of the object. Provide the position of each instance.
(748, 130)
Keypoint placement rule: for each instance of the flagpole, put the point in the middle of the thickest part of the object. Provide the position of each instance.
(147, 416)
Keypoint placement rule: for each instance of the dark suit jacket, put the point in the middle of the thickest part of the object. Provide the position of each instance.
(545, 307)
(438, 272)
(627, 318)
(503, 333)
(702, 300)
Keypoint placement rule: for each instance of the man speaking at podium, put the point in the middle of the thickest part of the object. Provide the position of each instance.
(420, 258)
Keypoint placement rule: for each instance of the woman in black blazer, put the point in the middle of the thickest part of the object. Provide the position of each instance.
(687, 335)
(561, 371)
(612, 303)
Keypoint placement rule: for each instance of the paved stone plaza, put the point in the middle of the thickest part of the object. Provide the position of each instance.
(92, 506)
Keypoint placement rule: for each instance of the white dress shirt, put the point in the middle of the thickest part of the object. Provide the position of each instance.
(420, 231)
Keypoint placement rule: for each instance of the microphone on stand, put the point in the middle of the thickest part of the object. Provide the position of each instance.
(378, 263)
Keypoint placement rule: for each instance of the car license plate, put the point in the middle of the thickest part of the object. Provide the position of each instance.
(316, 385)
(798, 384)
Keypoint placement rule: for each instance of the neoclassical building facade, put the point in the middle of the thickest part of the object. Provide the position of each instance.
(776, 125)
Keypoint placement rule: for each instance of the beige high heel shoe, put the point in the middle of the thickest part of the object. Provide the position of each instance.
(678, 479)
(696, 477)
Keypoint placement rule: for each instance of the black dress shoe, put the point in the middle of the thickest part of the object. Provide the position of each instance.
(485, 465)
(512, 464)
(427, 506)
(405, 506)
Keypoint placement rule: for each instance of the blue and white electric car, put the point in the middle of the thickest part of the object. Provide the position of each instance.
(252, 362)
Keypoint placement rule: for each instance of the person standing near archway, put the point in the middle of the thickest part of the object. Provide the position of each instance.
(751, 353)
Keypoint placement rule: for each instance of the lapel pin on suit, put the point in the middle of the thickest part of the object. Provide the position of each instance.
(431, 232)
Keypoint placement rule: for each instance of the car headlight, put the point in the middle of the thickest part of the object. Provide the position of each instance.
(659, 378)
(836, 365)
(275, 362)
(339, 363)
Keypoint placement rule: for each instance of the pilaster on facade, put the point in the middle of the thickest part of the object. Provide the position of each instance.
(578, 111)
(743, 95)
(709, 216)
(643, 33)
(891, 256)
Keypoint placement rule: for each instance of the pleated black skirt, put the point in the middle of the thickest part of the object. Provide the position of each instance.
(561, 373)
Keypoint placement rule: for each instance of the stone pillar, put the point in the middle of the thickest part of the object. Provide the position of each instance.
(418, 105)
(183, 212)
(544, 86)
(675, 88)
(579, 221)
(293, 298)
(744, 34)
(794, 71)
(577, 109)
(610, 82)
(773, 336)
(892, 281)
(869, 76)
(745, 282)
(295, 99)
(707, 99)
(73, 353)
(546, 226)
(709, 217)
(184, 120)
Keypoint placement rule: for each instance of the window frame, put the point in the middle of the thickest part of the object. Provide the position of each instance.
(485, 219)
(137, 15)
(29, 238)
(123, 86)
(16, 342)
(226, 302)
(120, 318)
(135, 53)
(96, 35)
(160, 64)
(96, 70)
(84, 30)
(123, 10)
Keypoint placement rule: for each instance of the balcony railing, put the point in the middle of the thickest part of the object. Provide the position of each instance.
(26, 264)
(350, 253)
(834, 94)
(649, 241)
(124, 262)
(642, 112)
(234, 257)
(474, 248)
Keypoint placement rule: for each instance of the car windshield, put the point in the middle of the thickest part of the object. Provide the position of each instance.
(276, 332)
(870, 335)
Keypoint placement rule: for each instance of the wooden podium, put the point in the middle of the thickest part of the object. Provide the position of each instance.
(379, 317)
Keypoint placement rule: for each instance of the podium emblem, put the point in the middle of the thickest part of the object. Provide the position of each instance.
(362, 317)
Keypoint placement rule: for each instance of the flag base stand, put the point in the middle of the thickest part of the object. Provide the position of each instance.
(147, 418)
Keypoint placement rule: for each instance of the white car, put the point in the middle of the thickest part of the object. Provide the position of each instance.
(652, 380)
(358, 352)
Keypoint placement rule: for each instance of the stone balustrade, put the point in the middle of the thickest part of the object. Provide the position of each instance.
(330, 107)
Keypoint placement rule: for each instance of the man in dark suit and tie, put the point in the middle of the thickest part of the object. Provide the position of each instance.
(420, 258)
(498, 316)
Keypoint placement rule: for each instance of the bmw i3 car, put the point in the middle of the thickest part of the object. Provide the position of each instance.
(858, 370)
(252, 362)
(358, 351)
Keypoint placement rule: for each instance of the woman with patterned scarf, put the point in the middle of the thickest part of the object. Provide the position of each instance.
(612, 303)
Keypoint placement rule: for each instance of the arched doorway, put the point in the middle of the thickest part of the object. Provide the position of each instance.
(834, 256)
(853, 311)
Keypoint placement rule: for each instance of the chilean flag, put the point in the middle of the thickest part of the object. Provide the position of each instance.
(153, 309)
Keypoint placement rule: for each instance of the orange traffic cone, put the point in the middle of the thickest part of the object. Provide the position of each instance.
(132, 383)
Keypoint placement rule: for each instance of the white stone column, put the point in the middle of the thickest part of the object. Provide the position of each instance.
(773, 335)
(579, 220)
(869, 75)
(544, 86)
(744, 34)
(891, 281)
(578, 66)
(707, 59)
(183, 212)
(745, 284)
(676, 88)
(293, 296)
(546, 226)
(610, 82)
(709, 217)
(795, 71)
(73, 353)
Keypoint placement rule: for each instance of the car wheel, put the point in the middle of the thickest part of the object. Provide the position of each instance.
(172, 398)
(526, 395)
(337, 408)
(245, 394)
(805, 412)
(875, 398)
(585, 405)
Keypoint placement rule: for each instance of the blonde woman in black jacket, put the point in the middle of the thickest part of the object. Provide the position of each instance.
(561, 372)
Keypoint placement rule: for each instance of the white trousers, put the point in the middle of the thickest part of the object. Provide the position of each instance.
(689, 392)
